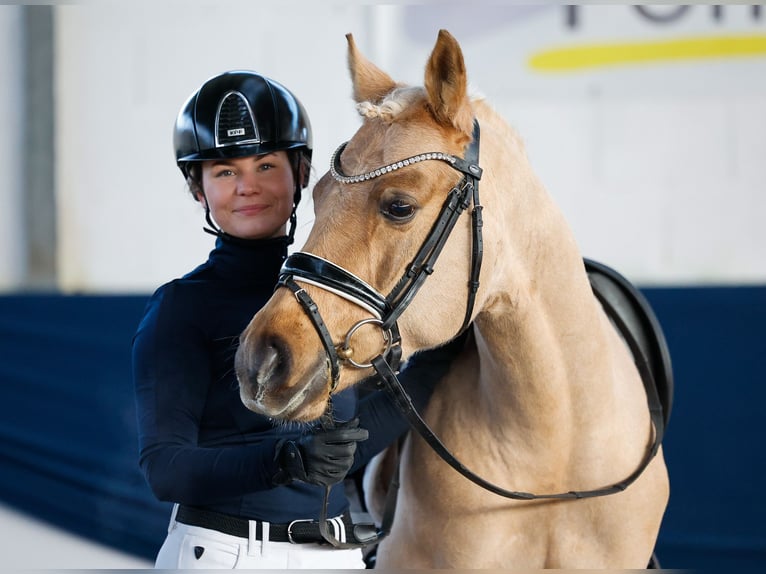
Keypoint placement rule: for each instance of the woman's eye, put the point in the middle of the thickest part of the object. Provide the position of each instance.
(399, 210)
(225, 173)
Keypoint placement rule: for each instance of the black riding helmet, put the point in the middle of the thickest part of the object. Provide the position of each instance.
(242, 113)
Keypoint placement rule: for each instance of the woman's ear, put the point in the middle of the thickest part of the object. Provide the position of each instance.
(201, 198)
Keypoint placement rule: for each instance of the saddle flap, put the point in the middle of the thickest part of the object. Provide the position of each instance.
(621, 298)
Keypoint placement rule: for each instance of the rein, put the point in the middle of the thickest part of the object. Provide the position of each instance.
(302, 267)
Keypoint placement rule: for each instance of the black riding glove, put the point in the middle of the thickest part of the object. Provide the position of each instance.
(323, 457)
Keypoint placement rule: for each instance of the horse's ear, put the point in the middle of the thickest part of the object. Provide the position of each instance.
(446, 83)
(371, 84)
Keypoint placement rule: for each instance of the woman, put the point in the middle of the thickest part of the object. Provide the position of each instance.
(248, 491)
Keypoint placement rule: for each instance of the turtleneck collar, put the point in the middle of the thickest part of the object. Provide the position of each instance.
(248, 259)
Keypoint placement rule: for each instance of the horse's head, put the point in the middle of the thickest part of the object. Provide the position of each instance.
(327, 320)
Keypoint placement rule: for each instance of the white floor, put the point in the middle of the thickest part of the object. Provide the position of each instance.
(28, 544)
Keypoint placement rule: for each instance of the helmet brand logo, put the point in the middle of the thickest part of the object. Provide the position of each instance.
(234, 121)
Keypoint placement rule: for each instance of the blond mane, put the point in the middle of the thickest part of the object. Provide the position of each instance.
(392, 105)
(399, 100)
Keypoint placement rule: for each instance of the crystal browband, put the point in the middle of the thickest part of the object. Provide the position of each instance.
(339, 176)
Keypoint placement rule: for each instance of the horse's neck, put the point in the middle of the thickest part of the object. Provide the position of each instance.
(541, 333)
(534, 345)
(544, 342)
(559, 385)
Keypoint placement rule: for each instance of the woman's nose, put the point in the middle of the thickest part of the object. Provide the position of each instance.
(247, 184)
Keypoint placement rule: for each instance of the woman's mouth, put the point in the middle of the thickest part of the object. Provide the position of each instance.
(251, 209)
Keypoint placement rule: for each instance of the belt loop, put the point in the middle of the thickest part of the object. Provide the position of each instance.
(339, 527)
(172, 523)
(265, 537)
(252, 537)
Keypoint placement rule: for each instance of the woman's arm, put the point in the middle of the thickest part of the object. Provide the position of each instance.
(172, 378)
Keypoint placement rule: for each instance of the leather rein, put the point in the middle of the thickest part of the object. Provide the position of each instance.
(303, 267)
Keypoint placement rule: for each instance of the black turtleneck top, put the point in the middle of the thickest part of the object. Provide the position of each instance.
(198, 443)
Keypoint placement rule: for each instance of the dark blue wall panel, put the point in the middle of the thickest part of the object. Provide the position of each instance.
(68, 447)
(714, 446)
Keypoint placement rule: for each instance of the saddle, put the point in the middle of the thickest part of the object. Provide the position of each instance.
(631, 313)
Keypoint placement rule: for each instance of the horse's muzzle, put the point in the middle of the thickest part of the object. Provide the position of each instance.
(265, 371)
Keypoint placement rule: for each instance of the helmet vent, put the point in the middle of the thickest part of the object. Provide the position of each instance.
(235, 124)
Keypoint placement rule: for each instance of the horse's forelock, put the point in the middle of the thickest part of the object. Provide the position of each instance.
(392, 105)
(399, 100)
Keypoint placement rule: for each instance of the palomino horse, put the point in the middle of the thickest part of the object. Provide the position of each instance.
(544, 397)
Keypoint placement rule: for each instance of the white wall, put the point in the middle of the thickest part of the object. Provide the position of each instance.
(126, 220)
(11, 215)
(658, 165)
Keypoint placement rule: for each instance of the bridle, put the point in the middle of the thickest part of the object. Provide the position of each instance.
(302, 267)
(307, 268)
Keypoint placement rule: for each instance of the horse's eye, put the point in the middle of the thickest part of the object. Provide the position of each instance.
(399, 210)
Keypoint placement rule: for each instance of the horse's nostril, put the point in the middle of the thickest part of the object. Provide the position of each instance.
(270, 365)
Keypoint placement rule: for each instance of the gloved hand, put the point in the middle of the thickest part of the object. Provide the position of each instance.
(323, 457)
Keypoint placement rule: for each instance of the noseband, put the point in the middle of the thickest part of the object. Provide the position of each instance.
(307, 268)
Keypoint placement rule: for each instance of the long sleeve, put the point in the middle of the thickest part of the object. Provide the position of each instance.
(198, 444)
(173, 376)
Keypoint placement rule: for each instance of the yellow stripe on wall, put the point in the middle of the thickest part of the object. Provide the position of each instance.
(595, 56)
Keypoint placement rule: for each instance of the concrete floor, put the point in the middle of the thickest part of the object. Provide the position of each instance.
(28, 544)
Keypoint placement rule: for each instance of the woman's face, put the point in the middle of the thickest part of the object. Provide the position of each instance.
(250, 197)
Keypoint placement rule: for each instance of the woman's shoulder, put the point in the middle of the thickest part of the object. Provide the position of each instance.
(172, 298)
(186, 291)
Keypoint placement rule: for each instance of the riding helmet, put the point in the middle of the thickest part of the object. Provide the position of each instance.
(237, 114)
